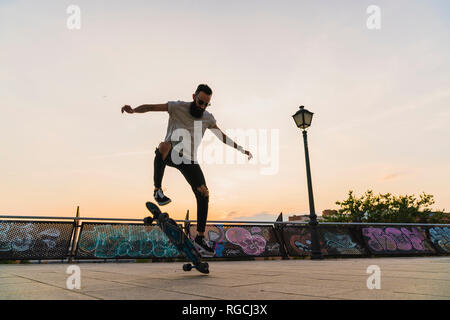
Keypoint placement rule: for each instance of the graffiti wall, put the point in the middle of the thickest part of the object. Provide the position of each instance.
(240, 241)
(126, 241)
(396, 240)
(42, 240)
(440, 237)
(341, 241)
(297, 240)
(334, 241)
(22, 240)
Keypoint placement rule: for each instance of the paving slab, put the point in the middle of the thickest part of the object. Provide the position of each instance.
(38, 291)
(143, 293)
(402, 278)
(383, 295)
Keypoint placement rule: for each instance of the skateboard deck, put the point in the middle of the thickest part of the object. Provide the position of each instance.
(179, 239)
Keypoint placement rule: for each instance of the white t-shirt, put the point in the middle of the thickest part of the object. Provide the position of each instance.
(185, 131)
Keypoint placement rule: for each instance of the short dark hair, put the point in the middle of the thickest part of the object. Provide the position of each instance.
(203, 88)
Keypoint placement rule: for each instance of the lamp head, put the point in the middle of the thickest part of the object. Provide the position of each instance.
(303, 118)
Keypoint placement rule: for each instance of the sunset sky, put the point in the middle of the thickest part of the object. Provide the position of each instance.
(380, 100)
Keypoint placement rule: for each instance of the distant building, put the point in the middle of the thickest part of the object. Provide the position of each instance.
(301, 218)
(328, 212)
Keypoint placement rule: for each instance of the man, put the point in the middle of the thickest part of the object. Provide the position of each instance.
(188, 122)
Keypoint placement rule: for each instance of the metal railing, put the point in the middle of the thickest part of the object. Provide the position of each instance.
(277, 225)
(234, 222)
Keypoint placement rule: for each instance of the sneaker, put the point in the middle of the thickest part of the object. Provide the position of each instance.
(202, 246)
(160, 197)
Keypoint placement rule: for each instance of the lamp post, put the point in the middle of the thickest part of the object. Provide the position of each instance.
(303, 120)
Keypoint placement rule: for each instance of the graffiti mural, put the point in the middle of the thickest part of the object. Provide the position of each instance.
(340, 241)
(239, 241)
(395, 240)
(440, 237)
(34, 240)
(39, 240)
(297, 240)
(109, 241)
(334, 241)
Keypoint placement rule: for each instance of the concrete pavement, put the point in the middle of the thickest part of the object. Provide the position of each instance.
(401, 278)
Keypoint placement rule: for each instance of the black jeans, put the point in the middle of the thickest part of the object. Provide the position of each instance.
(193, 175)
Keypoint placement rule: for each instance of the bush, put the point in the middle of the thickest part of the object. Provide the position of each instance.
(386, 208)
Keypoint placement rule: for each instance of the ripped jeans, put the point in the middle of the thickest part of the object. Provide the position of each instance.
(193, 175)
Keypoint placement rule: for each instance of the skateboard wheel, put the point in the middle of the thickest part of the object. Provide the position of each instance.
(187, 267)
(148, 220)
(163, 217)
(203, 267)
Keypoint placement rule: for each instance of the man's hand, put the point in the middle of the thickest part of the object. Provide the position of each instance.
(246, 152)
(250, 156)
(127, 109)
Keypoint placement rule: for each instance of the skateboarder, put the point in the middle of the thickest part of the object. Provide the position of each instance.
(191, 118)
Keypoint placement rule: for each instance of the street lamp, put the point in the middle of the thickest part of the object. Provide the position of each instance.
(303, 120)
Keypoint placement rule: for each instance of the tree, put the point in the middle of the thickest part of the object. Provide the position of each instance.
(386, 208)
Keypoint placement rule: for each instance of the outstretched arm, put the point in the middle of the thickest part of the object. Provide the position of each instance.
(225, 139)
(145, 108)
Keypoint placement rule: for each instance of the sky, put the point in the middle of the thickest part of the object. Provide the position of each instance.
(380, 99)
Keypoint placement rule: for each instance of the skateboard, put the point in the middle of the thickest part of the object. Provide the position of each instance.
(177, 237)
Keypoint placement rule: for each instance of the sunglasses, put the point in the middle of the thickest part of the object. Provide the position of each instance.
(201, 102)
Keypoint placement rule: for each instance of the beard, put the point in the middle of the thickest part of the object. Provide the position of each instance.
(196, 111)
